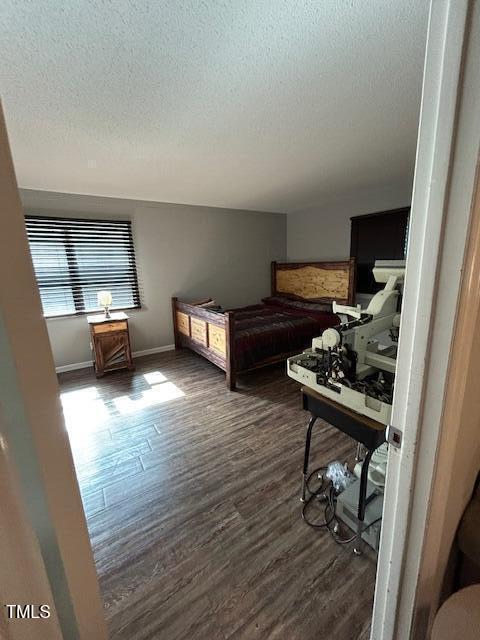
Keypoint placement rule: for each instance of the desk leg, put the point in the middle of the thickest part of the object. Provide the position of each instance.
(306, 457)
(362, 494)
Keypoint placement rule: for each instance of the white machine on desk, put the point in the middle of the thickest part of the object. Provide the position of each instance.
(346, 363)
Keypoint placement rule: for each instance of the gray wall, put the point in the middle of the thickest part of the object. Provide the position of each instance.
(322, 232)
(181, 250)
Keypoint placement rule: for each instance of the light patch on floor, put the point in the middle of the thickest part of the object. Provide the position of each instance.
(154, 377)
(156, 395)
(85, 411)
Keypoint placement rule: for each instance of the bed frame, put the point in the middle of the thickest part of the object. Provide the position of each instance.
(212, 334)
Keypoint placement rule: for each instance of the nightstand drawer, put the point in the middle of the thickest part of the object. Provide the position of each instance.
(107, 327)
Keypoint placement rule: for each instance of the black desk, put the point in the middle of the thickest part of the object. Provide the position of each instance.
(368, 432)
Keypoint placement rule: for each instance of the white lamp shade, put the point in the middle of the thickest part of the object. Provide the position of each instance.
(104, 298)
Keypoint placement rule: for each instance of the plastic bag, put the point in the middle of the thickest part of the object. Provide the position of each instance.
(340, 475)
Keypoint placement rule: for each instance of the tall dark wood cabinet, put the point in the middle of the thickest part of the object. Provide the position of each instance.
(377, 236)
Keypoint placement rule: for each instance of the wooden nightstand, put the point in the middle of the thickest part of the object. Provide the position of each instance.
(110, 343)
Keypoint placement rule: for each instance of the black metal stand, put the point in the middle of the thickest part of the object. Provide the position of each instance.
(364, 430)
(306, 457)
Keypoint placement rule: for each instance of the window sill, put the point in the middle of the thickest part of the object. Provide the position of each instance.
(79, 314)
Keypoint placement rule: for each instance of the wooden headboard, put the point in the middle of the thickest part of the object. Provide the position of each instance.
(315, 281)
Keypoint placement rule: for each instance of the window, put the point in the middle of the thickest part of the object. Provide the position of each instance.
(74, 259)
(377, 236)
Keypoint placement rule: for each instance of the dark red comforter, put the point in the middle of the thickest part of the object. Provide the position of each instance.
(263, 331)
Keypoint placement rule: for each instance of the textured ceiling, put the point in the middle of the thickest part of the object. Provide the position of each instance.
(252, 104)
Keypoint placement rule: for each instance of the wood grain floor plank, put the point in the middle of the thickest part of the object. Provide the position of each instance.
(193, 507)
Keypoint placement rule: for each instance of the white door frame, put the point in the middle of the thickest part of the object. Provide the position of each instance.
(444, 181)
(49, 523)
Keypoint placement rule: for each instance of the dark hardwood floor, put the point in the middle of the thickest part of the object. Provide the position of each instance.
(192, 499)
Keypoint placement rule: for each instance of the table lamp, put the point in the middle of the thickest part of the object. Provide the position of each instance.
(105, 301)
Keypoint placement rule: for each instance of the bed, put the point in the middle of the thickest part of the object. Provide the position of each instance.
(247, 338)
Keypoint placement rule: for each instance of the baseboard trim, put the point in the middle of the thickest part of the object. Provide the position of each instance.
(72, 367)
(135, 354)
(147, 352)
